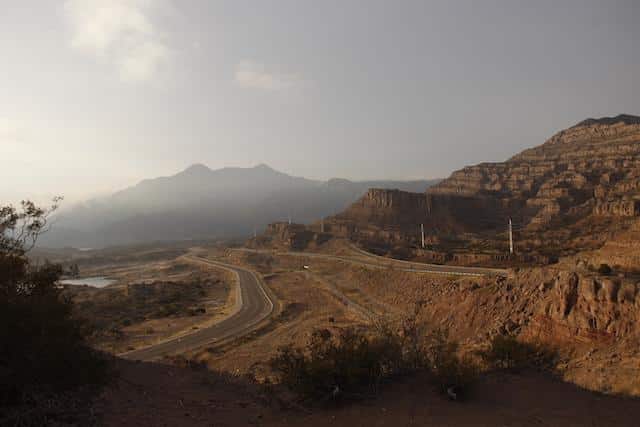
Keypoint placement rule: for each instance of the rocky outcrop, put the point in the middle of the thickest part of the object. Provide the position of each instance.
(591, 320)
(596, 161)
(289, 236)
(621, 251)
(444, 212)
(628, 208)
(592, 307)
(387, 207)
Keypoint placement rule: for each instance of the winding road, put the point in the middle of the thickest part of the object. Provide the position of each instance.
(253, 304)
(367, 259)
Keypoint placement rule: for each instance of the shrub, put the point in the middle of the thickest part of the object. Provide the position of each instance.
(354, 363)
(43, 352)
(333, 368)
(451, 374)
(505, 352)
(604, 269)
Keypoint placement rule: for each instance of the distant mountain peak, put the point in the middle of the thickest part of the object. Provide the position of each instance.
(263, 166)
(627, 119)
(197, 167)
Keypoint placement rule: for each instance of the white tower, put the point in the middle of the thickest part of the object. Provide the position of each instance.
(510, 236)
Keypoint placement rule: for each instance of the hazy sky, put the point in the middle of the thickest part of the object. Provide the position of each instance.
(97, 94)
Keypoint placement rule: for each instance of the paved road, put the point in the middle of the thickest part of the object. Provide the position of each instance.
(433, 268)
(371, 260)
(253, 305)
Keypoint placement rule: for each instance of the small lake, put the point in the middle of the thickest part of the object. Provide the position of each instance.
(95, 282)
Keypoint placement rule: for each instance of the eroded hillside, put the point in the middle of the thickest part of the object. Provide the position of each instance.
(573, 193)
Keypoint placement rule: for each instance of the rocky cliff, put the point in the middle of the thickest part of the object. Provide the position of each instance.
(592, 168)
(570, 194)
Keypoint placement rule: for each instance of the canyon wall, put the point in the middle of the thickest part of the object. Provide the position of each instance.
(570, 194)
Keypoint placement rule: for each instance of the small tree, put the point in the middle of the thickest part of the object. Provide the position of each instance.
(42, 347)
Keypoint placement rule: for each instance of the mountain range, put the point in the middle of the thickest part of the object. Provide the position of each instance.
(200, 203)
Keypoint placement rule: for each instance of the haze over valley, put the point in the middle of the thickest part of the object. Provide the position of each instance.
(297, 212)
(200, 203)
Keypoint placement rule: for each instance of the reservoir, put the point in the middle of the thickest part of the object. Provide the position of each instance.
(96, 282)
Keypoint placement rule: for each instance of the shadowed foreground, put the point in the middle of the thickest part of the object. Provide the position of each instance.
(158, 395)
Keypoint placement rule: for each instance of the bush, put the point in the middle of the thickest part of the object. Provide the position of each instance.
(346, 366)
(43, 353)
(604, 269)
(505, 352)
(354, 363)
(451, 374)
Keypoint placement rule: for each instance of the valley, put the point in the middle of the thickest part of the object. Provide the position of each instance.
(317, 290)
(215, 315)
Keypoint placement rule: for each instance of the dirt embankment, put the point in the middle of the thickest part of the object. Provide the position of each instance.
(592, 321)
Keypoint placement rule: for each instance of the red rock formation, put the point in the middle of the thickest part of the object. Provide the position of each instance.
(596, 161)
(559, 195)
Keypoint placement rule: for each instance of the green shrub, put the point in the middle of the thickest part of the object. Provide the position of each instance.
(505, 352)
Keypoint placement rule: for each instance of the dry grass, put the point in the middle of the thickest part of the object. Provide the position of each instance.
(153, 301)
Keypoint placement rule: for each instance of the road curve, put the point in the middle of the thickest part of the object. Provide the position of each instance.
(253, 305)
(370, 260)
(434, 268)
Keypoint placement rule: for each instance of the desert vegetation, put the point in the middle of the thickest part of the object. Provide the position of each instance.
(110, 309)
(44, 356)
(354, 363)
(506, 352)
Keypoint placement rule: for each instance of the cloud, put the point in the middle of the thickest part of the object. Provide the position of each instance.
(119, 32)
(253, 75)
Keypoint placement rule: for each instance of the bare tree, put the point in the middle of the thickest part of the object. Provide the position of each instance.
(20, 228)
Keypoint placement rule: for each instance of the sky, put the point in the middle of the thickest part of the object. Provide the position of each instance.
(96, 95)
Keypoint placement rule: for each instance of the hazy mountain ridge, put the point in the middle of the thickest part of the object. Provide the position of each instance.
(199, 202)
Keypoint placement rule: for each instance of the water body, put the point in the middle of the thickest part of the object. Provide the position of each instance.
(96, 282)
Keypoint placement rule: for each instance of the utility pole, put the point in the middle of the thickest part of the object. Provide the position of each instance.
(255, 232)
(322, 225)
(289, 219)
(510, 236)
(422, 234)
